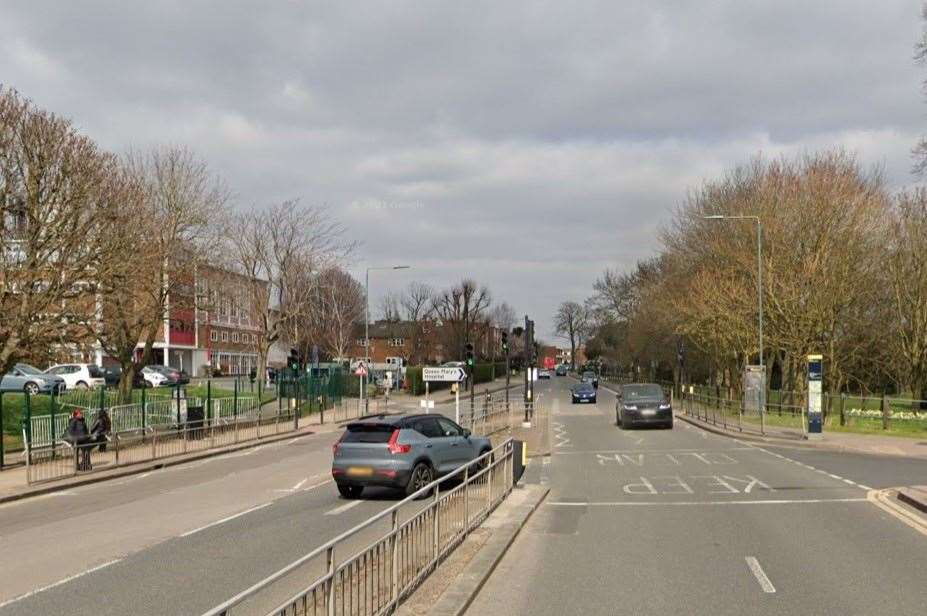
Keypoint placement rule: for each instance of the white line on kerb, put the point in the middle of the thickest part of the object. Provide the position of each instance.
(760, 575)
(343, 508)
(224, 520)
(58, 583)
(801, 501)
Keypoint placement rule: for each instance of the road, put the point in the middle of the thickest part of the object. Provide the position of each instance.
(179, 540)
(688, 522)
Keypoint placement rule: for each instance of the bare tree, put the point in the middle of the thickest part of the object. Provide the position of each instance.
(342, 307)
(570, 323)
(503, 316)
(56, 209)
(282, 249)
(462, 310)
(389, 308)
(416, 301)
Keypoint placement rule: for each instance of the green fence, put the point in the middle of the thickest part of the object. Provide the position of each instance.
(311, 393)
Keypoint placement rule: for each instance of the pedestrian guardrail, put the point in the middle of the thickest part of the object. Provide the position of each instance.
(369, 569)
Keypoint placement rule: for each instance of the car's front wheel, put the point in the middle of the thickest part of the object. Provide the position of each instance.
(82, 385)
(421, 476)
(669, 424)
(617, 418)
(31, 388)
(349, 491)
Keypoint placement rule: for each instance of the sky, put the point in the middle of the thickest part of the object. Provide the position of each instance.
(526, 145)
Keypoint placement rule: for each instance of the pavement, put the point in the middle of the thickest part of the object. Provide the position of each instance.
(686, 521)
(179, 539)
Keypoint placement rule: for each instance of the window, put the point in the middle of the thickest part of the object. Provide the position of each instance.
(360, 342)
(214, 336)
(397, 342)
(427, 426)
(225, 336)
(448, 427)
(234, 336)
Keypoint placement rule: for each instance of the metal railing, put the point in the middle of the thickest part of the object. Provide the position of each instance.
(60, 459)
(389, 554)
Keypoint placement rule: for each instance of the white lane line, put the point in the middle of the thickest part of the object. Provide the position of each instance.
(318, 485)
(760, 575)
(58, 583)
(294, 488)
(697, 450)
(800, 501)
(224, 520)
(343, 508)
(810, 468)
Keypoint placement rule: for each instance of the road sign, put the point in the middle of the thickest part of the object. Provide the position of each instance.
(815, 416)
(444, 374)
(361, 370)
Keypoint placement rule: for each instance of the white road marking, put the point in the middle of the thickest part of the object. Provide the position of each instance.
(649, 451)
(760, 575)
(343, 508)
(883, 500)
(294, 488)
(224, 520)
(805, 501)
(58, 583)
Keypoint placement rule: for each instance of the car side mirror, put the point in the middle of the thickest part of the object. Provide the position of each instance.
(466, 433)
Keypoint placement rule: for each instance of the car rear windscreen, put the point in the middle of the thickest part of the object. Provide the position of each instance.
(94, 371)
(368, 433)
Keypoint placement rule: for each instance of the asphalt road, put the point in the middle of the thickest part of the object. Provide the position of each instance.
(179, 540)
(688, 522)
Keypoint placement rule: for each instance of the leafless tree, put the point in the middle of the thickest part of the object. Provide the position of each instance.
(462, 309)
(389, 308)
(416, 301)
(56, 209)
(570, 323)
(503, 316)
(341, 308)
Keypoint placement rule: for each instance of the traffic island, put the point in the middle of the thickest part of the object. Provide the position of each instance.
(915, 496)
(454, 584)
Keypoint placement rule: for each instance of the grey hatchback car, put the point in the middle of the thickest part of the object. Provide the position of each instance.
(406, 452)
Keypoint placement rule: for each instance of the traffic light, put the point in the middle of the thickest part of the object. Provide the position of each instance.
(292, 361)
(470, 354)
(505, 341)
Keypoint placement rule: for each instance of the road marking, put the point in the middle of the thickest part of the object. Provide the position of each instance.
(58, 583)
(224, 520)
(649, 451)
(805, 501)
(882, 500)
(294, 488)
(807, 466)
(760, 575)
(343, 508)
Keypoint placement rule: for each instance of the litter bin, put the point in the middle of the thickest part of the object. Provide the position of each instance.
(195, 416)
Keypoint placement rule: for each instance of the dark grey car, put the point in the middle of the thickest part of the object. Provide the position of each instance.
(406, 452)
(643, 404)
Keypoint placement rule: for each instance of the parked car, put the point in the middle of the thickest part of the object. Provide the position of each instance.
(26, 378)
(583, 392)
(543, 373)
(406, 452)
(153, 377)
(591, 377)
(79, 376)
(643, 404)
(561, 370)
(113, 374)
(173, 375)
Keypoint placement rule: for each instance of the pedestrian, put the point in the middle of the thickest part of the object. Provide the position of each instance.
(79, 437)
(101, 429)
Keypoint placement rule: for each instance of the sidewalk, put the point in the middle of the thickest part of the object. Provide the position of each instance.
(872, 444)
(445, 395)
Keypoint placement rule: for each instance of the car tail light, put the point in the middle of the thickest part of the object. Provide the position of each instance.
(395, 447)
(337, 445)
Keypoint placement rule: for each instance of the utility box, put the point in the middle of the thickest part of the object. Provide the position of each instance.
(519, 460)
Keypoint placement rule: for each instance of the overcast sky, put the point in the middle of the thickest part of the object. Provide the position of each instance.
(526, 145)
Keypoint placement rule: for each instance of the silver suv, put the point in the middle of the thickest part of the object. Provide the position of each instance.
(401, 451)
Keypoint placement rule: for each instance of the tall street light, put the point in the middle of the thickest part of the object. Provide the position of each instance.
(367, 328)
(759, 297)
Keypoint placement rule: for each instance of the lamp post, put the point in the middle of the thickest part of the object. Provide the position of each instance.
(759, 294)
(367, 329)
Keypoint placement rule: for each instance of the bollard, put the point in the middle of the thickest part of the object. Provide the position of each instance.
(843, 404)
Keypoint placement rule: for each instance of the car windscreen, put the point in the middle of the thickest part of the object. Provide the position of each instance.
(368, 433)
(635, 392)
(27, 369)
(584, 387)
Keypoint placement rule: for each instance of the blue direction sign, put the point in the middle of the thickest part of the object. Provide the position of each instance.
(815, 396)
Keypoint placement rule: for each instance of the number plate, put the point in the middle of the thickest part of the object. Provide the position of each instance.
(360, 471)
(648, 412)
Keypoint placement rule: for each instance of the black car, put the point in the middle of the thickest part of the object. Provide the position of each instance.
(583, 392)
(591, 377)
(113, 374)
(173, 375)
(561, 370)
(643, 404)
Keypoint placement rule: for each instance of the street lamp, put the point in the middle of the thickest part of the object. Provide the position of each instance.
(366, 326)
(759, 294)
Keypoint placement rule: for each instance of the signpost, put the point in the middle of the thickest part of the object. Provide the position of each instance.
(815, 394)
(444, 374)
(361, 371)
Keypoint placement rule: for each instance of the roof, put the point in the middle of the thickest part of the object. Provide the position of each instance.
(391, 420)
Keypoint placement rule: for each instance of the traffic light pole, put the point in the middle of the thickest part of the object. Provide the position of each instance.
(508, 370)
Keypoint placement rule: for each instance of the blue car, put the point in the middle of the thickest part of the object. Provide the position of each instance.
(583, 392)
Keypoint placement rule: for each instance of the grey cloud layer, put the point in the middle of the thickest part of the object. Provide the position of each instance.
(527, 144)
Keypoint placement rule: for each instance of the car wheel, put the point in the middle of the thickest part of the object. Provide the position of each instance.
(669, 424)
(81, 385)
(625, 424)
(31, 388)
(483, 464)
(617, 418)
(593, 400)
(348, 491)
(421, 476)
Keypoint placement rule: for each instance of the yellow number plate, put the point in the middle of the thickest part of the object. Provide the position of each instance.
(360, 471)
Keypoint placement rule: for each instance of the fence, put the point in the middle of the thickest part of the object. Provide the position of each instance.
(787, 409)
(61, 459)
(390, 553)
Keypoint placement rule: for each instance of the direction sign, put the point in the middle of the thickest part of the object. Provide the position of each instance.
(444, 373)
